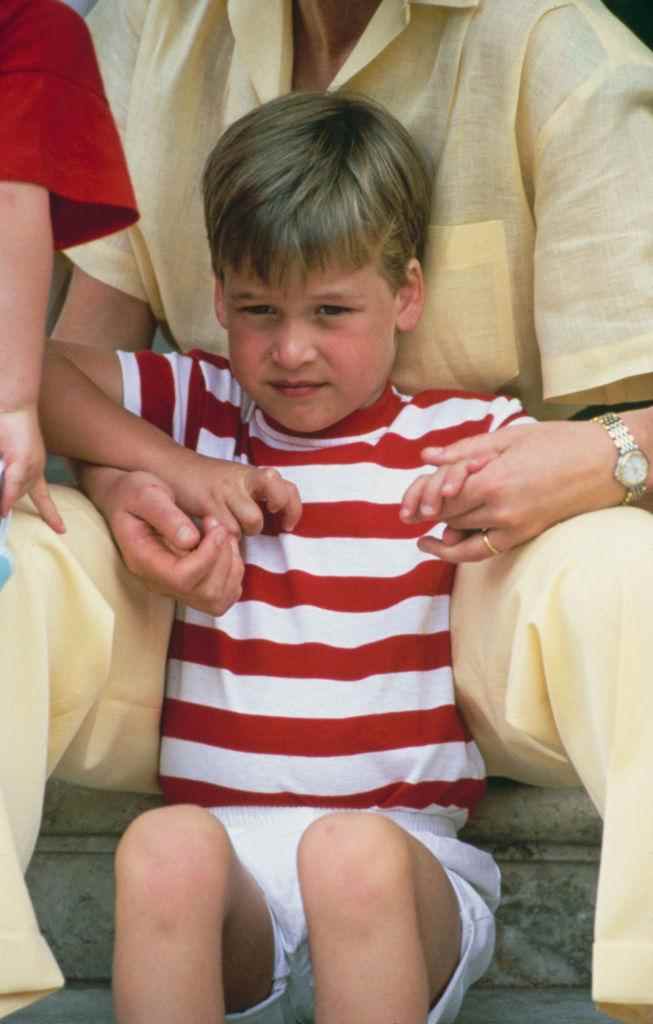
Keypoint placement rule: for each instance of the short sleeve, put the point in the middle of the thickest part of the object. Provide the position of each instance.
(593, 194)
(56, 128)
(156, 388)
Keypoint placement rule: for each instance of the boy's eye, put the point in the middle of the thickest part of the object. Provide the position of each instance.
(328, 310)
(260, 310)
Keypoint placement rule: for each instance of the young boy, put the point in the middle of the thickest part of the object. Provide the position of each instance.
(315, 762)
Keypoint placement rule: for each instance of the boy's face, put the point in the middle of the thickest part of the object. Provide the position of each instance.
(315, 350)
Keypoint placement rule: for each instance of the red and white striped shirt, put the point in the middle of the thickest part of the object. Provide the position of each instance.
(329, 683)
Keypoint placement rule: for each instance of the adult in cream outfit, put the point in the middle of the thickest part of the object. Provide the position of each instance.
(539, 117)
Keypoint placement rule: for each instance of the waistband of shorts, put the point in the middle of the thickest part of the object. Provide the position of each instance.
(413, 821)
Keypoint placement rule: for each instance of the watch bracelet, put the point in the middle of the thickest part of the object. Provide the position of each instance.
(624, 442)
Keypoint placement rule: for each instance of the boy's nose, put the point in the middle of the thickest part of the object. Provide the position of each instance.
(293, 346)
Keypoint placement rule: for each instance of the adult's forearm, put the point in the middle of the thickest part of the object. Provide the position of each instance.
(101, 316)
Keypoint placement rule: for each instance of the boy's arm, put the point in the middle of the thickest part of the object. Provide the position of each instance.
(91, 425)
(82, 413)
(25, 272)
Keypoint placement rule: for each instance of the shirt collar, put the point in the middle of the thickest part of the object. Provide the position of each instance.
(263, 35)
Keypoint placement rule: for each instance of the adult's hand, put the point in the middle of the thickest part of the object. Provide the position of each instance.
(160, 544)
(530, 478)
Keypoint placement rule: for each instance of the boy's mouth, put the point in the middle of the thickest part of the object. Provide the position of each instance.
(296, 389)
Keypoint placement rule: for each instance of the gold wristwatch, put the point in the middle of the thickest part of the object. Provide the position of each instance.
(632, 465)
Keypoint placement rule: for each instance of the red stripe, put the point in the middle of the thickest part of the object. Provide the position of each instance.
(435, 396)
(463, 793)
(157, 390)
(346, 593)
(362, 519)
(202, 645)
(310, 737)
(222, 419)
(195, 405)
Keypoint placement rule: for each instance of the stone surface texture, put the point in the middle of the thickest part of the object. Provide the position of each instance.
(92, 1005)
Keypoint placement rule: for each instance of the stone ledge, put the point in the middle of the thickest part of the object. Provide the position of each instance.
(499, 1006)
(510, 813)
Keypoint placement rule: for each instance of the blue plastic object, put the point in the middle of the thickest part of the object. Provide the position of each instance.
(6, 559)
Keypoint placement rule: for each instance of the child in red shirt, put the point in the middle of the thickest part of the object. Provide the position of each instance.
(63, 181)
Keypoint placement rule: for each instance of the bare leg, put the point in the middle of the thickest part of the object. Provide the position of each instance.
(193, 933)
(383, 921)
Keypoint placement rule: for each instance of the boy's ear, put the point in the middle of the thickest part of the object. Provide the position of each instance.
(218, 299)
(411, 296)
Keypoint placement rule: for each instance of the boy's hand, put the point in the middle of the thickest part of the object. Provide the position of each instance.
(425, 497)
(163, 547)
(23, 453)
(233, 494)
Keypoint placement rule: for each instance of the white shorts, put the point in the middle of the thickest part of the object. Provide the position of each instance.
(266, 840)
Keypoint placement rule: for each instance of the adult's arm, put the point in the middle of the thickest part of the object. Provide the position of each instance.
(151, 532)
(95, 313)
(532, 478)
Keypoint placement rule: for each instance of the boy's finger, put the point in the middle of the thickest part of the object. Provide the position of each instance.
(291, 512)
(412, 499)
(242, 514)
(454, 479)
(279, 495)
(46, 507)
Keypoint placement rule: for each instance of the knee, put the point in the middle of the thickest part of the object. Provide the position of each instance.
(171, 857)
(354, 868)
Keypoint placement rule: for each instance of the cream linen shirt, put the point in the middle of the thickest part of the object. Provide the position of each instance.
(539, 118)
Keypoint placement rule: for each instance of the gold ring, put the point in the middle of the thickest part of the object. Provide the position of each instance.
(488, 543)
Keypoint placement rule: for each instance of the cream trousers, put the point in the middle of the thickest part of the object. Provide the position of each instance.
(551, 668)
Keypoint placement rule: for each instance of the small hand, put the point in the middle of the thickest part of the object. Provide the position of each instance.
(425, 497)
(23, 454)
(162, 546)
(233, 494)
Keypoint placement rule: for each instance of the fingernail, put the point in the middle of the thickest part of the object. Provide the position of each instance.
(184, 534)
(427, 510)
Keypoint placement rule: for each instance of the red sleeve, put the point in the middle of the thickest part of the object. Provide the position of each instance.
(56, 128)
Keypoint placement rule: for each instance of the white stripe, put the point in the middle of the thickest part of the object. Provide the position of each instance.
(333, 776)
(335, 556)
(216, 447)
(413, 421)
(287, 443)
(306, 624)
(181, 367)
(362, 481)
(309, 698)
(131, 382)
(221, 384)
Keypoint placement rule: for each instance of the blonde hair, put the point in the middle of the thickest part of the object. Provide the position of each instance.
(312, 179)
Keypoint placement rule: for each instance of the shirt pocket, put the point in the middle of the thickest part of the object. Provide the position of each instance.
(466, 336)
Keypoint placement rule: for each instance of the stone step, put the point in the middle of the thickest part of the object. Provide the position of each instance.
(546, 843)
(92, 1005)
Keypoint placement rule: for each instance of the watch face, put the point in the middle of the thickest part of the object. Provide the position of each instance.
(632, 469)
